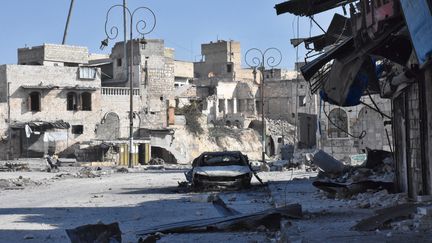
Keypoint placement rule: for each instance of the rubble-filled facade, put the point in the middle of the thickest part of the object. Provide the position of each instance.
(384, 51)
(236, 90)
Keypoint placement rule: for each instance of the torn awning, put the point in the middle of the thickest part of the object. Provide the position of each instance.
(308, 7)
(42, 125)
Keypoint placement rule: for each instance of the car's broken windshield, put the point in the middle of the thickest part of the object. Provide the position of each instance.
(221, 160)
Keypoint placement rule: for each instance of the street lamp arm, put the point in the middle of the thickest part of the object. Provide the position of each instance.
(112, 33)
(272, 56)
(254, 57)
(142, 26)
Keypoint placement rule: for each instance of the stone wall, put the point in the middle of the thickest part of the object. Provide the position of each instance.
(60, 81)
(361, 119)
(281, 97)
(156, 86)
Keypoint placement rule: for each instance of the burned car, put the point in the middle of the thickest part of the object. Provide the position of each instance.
(220, 169)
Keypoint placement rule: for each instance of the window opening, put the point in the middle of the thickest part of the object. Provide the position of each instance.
(35, 101)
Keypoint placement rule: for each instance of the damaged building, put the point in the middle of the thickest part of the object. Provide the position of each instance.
(235, 95)
(380, 52)
(91, 96)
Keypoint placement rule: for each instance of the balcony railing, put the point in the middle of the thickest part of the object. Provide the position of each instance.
(115, 91)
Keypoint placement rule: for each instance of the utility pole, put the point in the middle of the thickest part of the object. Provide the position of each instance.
(110, 35)
(259, 61)
(9, 153)
(67, 22)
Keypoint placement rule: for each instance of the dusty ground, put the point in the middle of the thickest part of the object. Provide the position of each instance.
(41, 211)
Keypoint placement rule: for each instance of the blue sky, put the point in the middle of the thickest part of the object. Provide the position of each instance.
(184, 25)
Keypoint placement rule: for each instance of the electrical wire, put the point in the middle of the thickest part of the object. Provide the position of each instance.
(361, 136)
(382, 116)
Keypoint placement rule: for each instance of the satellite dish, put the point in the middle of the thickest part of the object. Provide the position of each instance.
(28, 130)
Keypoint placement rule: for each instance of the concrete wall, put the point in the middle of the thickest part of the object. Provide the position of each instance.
(48, 54)
(183, 69)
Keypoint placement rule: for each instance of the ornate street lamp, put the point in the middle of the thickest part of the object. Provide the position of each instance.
(143, 28)
(257, 59)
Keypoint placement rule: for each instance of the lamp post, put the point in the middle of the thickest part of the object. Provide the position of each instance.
(142, 27)
(257, 59)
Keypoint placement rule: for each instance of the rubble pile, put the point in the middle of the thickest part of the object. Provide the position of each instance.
(16, 184)
(156, 161)
(342, 181)
(421, 221)
(11, 167)
(378, 199)
(281, 128)
(85, 172)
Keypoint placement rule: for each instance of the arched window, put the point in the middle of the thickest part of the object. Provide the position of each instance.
(34, 101)
(338, 124)
(86, 101)
(72, 101)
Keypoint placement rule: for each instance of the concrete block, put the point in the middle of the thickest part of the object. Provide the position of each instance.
(424, 198)
(425, 211)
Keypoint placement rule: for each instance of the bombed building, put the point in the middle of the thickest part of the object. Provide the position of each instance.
(378, 51)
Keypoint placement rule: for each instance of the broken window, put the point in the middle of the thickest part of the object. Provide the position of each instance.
(119, 62)
(34, 101)
(86, 101)
(72, 101)
(338, 124)
(77, 129)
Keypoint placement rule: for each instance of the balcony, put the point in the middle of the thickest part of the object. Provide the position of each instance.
(115, 91)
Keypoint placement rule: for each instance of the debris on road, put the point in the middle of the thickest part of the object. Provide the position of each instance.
(378, 199)
(347, 190)
(385, 216)
(156, 161)
(222, 208)
(327, 163)
(342, 181)
(122, 170)
(96, 233)
(17, 184)
(11, 167)
(269, 218)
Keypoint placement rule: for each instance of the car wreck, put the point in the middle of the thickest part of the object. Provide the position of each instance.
(230, 169)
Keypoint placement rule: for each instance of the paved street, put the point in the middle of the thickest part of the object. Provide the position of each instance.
(135, 200)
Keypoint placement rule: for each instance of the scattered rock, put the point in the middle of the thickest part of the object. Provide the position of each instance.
(28, 237)
(95, 233)
(122, 170)
(156, 161)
